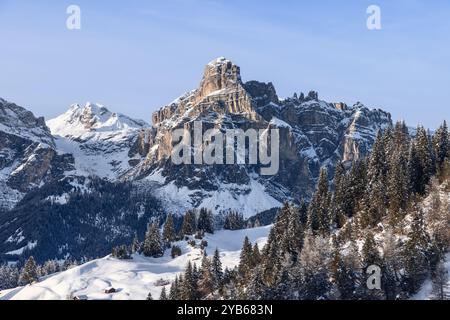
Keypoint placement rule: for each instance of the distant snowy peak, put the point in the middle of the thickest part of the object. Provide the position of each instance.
(100, 140)
(93, 122)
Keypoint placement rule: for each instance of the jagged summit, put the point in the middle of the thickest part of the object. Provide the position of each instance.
(92, 120)
(21, 122)
(221, 90)
(220, 74)
(313, 133)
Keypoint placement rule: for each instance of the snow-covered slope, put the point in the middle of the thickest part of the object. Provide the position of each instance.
(99, 139)
(133, 279)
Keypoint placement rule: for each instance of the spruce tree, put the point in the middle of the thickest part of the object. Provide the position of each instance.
(174, 290)
(375, 199)
(163, 295)
(189, 226)
(319, 218)
(370, 252)
(441, 145)
(169, 234)
(246, 260)
(357, 184)
(289, 231)
(217, 270)
(206, 283)
(205, 221)
(425, 158)
(370, 257)
(153, 246)
(256, 255)
(272, 259)
(136, 246)
(391, 269)
(341, 205)
(415, 254)
(29, 272)
(313, 269)
(397, 186)
(257, 289)
(189, 286)
(344, 276)
(414, 171)
(303, 212)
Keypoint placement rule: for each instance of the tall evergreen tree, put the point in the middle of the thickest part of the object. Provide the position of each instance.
(313, 268)
(136, 246)
(375, 200)
(425, 157)
(189, 285)
(153, 246)
(414, 171)
(29, 272)
(217, 270)
(272, 260)
(370, 253)
(206, 283)
(163, 295)
(415, 254)
(189, 226)
(341, 203)
(398, 186)
(256, 255)
(257, 289)
(319, 218)
(289, 231)
(169, 234)
(370, 257)
(246, 260)
(357, 184)
(441, 145)
(205, 221)
(174, 290)
(391, 269)
(344, 276)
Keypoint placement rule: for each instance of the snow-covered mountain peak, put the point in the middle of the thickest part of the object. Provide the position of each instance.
(99, 139)
(218, 61)
(93, 121)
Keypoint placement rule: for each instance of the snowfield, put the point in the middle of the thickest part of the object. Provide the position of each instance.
(134, 279)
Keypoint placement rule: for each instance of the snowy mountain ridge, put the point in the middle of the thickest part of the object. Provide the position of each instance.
(99, 139)
(93, 122)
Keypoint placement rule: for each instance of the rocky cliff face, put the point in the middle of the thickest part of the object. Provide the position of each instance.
(95, 172)
(90, 140)
(27, 154)
(313, 134)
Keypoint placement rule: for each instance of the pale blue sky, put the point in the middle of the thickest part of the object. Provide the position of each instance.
(135, 56)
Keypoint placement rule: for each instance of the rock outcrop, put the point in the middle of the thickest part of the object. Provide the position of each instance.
(313, 134)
